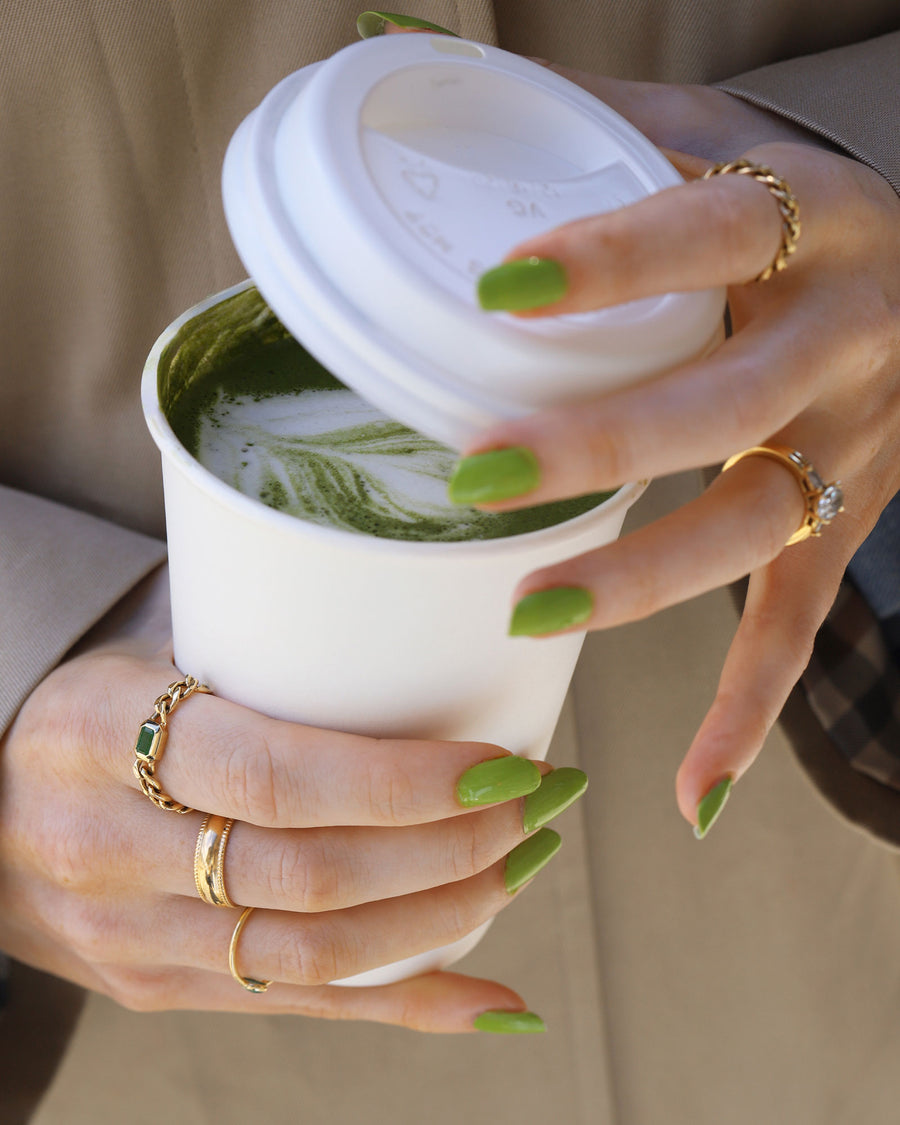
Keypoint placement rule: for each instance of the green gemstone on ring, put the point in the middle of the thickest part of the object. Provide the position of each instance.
(148, 740)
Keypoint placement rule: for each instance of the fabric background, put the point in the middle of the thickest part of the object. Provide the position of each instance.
(755, 970)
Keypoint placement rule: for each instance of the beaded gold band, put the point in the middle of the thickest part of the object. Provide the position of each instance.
(209, 859)
(783, 196)
(823, 501)
(250, 983)
(151, 741)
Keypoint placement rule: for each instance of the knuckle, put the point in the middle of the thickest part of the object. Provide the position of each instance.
(742, 720)
(90, 931)
(748, 409)
(77, 707)
(248, 778)
(609, 238)
(726, 212)
(57, 716)
(460, 914)
(69, 855)
(796, 644)
(307, 877)
(610, 456)
(770, 531)
(410, 1014)
(795, 636)
(643, 590)
(392, 796)
(315, 953)
(469, 849)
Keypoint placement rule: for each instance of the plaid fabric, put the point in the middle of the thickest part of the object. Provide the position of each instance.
(852, 682)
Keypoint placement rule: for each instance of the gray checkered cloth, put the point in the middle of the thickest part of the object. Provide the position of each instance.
(852, 682)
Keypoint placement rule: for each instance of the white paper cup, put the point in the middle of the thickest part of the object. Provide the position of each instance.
(349, 632)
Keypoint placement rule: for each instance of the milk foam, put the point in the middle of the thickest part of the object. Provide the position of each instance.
(332, 458)
(257, 410)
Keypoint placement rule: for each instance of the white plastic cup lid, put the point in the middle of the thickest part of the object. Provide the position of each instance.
(367, 193)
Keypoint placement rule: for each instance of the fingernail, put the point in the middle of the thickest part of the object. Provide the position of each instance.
(556, 792)
(499, 779)
(547, 611)
(509, 1023)
(526, 860)
(370, 24)
(711, 806)
(526, 283)
(497, 475)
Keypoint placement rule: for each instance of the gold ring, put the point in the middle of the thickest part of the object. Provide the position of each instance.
(823, 501)
(783, 196)
(209, 859)
(151, 741)
(251, 984)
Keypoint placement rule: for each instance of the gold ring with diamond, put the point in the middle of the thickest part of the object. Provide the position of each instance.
(209, 859)
(151, 741)
(780, 191)
(250, 983)
(823, 501)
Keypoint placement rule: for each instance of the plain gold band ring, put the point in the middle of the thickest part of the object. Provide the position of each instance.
(780, 191)
(209, 859)
(250, 983)
(823, 501)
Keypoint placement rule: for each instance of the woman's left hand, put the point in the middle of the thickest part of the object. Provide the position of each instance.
(813, 364)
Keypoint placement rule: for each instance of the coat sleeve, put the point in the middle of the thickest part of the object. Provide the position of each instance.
(850, 96)
(60, 571)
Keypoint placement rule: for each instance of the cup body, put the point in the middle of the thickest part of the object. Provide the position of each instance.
(349, 632)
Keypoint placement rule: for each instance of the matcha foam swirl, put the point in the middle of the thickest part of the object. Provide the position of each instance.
(262, 415)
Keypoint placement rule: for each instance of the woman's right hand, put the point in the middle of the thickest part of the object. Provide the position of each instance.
(357, 852)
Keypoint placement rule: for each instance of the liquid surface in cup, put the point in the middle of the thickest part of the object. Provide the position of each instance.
(260, 413)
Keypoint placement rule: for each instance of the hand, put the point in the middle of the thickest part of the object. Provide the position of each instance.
(813, 364)
(357, 851)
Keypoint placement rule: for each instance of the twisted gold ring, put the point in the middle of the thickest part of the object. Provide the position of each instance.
(250, 983)
(823, 501)
(209, 859)
(783, 196)
(151, 741)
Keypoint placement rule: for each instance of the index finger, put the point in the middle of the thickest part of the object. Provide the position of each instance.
(222, 757)
(719, 231)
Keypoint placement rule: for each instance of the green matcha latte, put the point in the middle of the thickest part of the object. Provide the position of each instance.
(256, 410)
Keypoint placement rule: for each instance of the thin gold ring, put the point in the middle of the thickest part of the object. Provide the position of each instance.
(209, 859)
(250, 983)
(783, 196)
(151, 741)
(823, 501)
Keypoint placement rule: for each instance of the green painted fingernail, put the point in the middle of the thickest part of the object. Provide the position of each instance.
(548, 611)
(498, 474)
(711, 806)
(499, 779)
(526, 283)
(370, 24)
(507, 1023)
(556, 792)
(526, 860)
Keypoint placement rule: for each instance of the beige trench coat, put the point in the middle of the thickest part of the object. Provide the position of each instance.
(752, 978)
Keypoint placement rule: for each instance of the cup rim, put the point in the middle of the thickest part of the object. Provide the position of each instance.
(171, 448)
